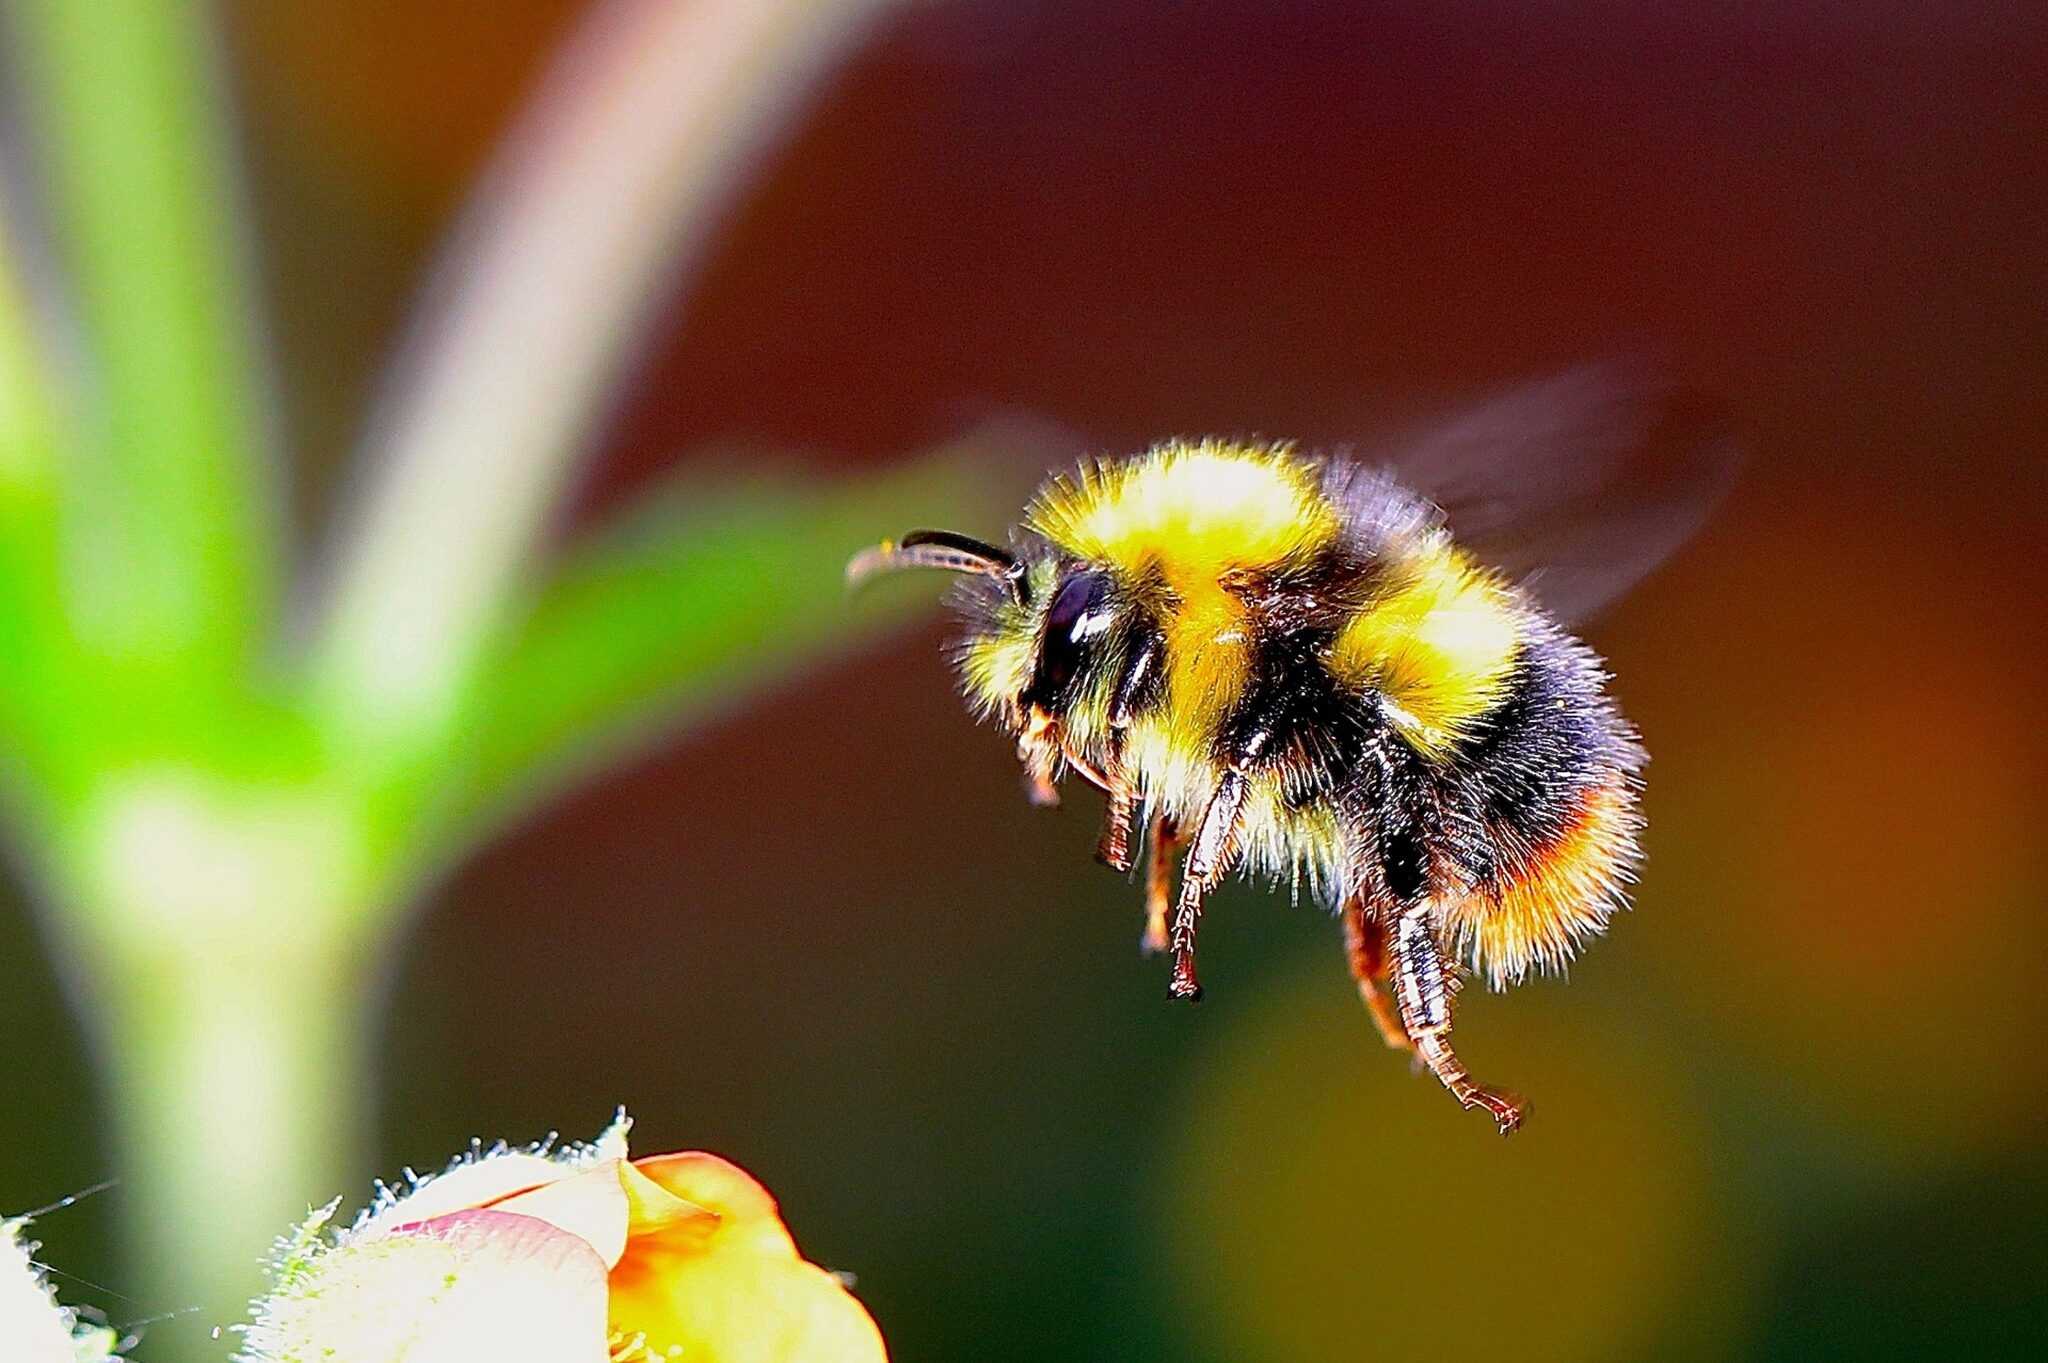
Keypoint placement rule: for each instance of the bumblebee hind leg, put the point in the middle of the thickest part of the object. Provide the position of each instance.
(1424, 988)
(1365, 946)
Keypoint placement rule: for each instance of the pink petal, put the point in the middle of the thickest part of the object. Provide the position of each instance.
(511, 1289)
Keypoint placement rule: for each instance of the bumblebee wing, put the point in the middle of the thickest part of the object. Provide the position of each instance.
(1579, 484)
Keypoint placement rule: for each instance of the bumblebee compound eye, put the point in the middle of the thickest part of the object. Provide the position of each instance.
(1082, 612)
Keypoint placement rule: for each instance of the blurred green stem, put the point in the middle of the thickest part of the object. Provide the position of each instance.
(32, 615)
(239, 1080)
(182, 520)
(609, 189)
(227, 846)
(209, 924)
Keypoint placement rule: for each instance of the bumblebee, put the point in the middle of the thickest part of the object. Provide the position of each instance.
(1354, 676)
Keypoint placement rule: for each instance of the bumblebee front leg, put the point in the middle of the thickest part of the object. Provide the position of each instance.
(1424, 990)
(1365, 946)
(1138, 680)
(1211, 854)
(1038, 749)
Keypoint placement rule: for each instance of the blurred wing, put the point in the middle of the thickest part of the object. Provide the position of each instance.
(1577, 485)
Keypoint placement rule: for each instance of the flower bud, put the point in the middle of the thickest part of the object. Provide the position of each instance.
(577, 1255)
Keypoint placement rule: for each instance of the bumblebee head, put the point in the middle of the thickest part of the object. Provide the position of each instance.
(1039, 632)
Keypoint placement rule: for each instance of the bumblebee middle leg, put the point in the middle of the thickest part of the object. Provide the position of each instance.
(1424, 989)
(1163, 844)
(1113, 847)
(1365, 946)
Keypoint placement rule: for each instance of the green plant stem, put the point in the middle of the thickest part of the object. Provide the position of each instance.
(36, 679)
(604, 198)
(180, 525)
(224, 864)
(203, 926)
(238, 1102)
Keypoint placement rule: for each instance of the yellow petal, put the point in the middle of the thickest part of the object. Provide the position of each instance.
(739, 1304)
(657, 1211)
(732, 1289)
(744, 1208)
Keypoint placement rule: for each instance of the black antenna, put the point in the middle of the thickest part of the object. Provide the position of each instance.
(940, 549)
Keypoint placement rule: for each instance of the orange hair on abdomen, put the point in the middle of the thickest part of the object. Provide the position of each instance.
(1553, 896)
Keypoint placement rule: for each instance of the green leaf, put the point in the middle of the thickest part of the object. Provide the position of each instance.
(696, 596)
(595, 214)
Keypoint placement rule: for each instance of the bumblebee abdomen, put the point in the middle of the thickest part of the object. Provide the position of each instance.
(1540, 905)
(1550, 785)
